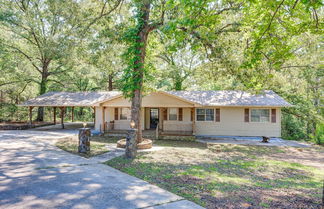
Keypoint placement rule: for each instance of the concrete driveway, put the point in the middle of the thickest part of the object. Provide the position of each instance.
(35, 174)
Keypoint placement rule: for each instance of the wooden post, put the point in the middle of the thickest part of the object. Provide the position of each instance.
(72, 114)
(193, 121)
(62, 116)
(94, 117)
(103, 119)
(31, 115)
(54, 115)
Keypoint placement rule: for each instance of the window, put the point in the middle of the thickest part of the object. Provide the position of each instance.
(260, 115)
(125, 113)
(173, 113)
(205, 114)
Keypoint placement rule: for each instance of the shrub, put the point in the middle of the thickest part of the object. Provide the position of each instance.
(293, 128)
(318, 136)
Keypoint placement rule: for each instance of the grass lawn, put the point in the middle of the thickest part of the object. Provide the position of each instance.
(233, 176)
(97, 146)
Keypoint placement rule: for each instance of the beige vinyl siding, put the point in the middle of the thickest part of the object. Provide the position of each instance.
(172, 125)
(154, 99)
(186, 114)
(231, 118)
(109, 116)
(232, 124)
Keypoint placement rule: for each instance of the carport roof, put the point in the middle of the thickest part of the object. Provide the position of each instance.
(70, 99)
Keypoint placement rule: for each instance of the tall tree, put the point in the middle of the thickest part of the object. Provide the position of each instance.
(176, 19)
(176, 66)
(40, 31)
(46, 32)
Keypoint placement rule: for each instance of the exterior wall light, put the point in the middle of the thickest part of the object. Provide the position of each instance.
(132, 124)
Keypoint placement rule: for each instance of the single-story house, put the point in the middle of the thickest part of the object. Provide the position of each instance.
(197, 113)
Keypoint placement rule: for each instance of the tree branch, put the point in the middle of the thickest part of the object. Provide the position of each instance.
(17, 81)
(153, 26)
(28, 57)
(295, 4)
(103, 13)
(298, 66)
(315, 17)
(235, 7)
(272, 18)
(55, 81)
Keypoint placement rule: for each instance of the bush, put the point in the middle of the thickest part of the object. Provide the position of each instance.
(293, 128)
(318, 137)
(12, 112)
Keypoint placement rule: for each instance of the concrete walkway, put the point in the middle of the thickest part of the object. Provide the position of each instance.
(252, 141)
(35, 174)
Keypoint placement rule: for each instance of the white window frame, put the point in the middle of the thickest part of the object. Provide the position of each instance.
(196, 114)
(260, 120)
(120, 113)
(177, 113)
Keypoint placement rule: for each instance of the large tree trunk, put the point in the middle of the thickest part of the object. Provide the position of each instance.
(136, 113)
(138, 69)
(43, 89)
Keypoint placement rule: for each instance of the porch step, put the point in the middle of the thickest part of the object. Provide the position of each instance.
(176, 133)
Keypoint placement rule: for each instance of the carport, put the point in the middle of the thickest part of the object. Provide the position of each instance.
(62, 100)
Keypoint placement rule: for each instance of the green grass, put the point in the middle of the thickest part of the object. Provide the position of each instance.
(244, 174)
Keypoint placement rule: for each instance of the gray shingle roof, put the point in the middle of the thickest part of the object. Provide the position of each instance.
(71, 98)
(232, 98)
(205, 98)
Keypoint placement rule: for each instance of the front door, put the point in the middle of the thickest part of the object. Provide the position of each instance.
(154, 117)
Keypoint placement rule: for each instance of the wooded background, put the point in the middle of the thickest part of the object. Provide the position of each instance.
(92, 45)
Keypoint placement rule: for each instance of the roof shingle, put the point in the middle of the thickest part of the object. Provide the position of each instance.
(205, 98)
(232, 98)
(71, 98)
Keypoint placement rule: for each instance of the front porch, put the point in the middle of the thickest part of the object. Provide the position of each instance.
(156, 121)
(153, 134)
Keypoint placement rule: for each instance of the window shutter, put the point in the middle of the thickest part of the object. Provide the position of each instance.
(246, 115)
(180, 114)
(116, 113)
(217, 117)
(273, 115)
(165, 114)
(192, 114)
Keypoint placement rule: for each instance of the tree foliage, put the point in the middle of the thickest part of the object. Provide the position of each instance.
(141, 46)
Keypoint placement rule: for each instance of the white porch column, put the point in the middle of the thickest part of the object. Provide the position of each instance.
(193, 115)
(98, 116)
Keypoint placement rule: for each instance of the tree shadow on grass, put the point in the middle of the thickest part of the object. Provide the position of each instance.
(179, 144)
(231, 183)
